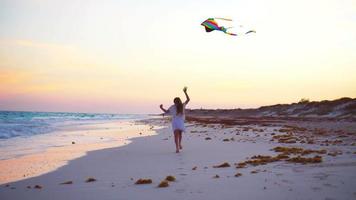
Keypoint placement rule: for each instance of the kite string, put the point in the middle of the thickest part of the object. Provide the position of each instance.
(223, 19)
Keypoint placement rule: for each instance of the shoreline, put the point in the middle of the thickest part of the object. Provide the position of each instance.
(196, 168)
(73, 144)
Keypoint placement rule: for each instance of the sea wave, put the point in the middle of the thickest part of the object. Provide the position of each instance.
(16, 123)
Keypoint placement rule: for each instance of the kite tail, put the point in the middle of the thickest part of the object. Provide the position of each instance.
(231, 34)
(223, 29)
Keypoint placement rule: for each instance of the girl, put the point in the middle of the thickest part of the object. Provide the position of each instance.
(177, 111)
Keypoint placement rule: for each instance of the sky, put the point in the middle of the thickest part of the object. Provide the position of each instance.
(130, 56)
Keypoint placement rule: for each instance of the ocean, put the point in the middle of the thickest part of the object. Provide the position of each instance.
(25, 124)
(23, 133)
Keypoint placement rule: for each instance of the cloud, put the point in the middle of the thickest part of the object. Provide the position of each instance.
(14, 81)
(37, 45)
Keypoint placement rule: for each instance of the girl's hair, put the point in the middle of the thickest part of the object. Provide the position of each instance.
(179, 105)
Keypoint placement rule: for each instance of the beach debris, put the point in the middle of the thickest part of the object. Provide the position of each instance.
(7, 185)
(261, 157)
(170, 178)
(254, 171)
(287, 138)
(208, 138)
(241, 165)
(257, 130)
(194, 168)
(163, 184)
(310, 142)
(66, 183)
(238, 174)
(335, 153)
(262, 160)
(304, 160)
(318, 131)
(282, 156)
(246, 129)
(216, 176)
(285, 153)
(225, 164)
(331, 142)
(73, 142)
(38, 187)
(309, 151)
(226, 140)
(140, 133)
(296, 128)
(90, 179)
(257, 160)
(297, 150)
(143, 181)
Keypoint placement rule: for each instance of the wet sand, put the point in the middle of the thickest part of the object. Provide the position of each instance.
(74, 144)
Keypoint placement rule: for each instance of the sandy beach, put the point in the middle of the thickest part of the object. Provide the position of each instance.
(218, 161)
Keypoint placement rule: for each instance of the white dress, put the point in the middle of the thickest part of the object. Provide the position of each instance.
(177, 120)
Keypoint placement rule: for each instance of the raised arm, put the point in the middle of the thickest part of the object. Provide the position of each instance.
(186, 95)
(164, 110)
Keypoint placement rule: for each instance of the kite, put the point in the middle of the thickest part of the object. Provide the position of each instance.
(211, 25)
(251, 31)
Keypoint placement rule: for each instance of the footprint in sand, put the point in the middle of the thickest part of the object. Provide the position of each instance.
(329, 198)
(316, 189)
(321, 176)
(329, 185)
(287, 181)
(180, 190)
(298, 170)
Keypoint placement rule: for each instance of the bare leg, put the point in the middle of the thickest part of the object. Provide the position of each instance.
(176, 140)
(180, 140)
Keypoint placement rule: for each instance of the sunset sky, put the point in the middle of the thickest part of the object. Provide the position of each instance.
(129, 56)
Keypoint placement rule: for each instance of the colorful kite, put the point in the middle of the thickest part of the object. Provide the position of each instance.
(211, 25)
